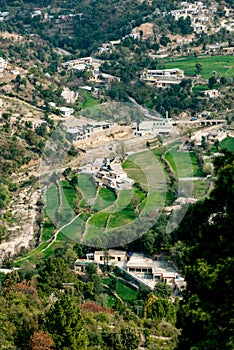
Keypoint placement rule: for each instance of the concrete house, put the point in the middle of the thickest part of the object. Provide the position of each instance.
(66, 112)
(163, 78)
(213, 93)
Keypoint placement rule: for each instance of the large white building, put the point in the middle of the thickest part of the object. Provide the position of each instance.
(163, 78)
(155, 127)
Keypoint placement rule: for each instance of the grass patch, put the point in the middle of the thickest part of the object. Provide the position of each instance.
(47, 230)
(75, 229)
(153, 201)
(69, 192)
(197, 189)
(223, 65)
(121, 218)
(104, 199)
(200, 88)
(126, 293)
(184, 164)
(227, 143)
(87, 186)
(65, 212)
(89, 100)
(52, 201)
(135, 172)
(99, 219)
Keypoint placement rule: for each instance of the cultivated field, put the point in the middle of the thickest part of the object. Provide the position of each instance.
(223, 65)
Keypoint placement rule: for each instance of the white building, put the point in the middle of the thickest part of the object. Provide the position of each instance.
(82, 63)
(163, 78)
(155, 127)
(66, 112)
(36, 13)
(3, 64)
(213, 93)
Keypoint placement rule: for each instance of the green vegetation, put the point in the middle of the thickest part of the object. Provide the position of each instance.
(197, 189)
(104, 199)
(48, 229)
(206, 311)
(75, 228)
(69, 192)
(223, 65)
(126, 293)
(89, 101)
(87, 186)
(227, 144)
(121, 218)
(134, 171)
(52, 201)
(183, 164)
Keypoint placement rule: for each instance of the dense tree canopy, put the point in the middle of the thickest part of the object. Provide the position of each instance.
(206, 314)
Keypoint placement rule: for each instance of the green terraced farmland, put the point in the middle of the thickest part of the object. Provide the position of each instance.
(69, 192)
(75, 229)
(184, 164)
(52, 201)
(105, 198)
(87, 186)
(223, 65)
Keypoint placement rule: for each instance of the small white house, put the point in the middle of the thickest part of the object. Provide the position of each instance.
(214, 93)
(66, 112)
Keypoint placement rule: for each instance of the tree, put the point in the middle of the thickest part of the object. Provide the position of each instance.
(121, 150)
(206, 312)
(212, 81)
(162, 290)
(159, 309)
(4, 196)
(40, 341)
(64, 322)
(223, 81)
(198, 67)
(164, 40)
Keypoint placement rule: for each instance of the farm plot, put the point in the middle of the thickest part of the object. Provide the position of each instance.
(184, 164)
(223, 65)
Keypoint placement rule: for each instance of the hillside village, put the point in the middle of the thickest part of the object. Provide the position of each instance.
(117, 140)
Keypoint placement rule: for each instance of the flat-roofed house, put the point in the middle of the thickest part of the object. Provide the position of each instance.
(66, 112)
(163, 78)
(213, 93)
(113, 256)
(149, 269)
(155, 127)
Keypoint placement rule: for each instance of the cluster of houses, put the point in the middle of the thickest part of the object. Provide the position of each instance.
(83, 132)
(202, 15)
(162, 78)
(138, 268)
(91, 65)
(108, 47)
(108, 173)
(199, 13)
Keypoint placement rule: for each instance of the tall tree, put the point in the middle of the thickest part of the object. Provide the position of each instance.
(65, 324)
